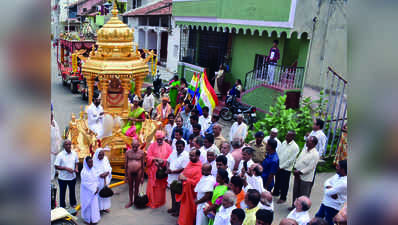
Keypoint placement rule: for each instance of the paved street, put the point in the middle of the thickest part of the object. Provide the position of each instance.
(65, 103)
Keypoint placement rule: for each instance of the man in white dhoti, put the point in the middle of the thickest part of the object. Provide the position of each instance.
(204, 190)
(238, 129)
(95, 114)
(56, 141)
(104, 175)
(89, 189)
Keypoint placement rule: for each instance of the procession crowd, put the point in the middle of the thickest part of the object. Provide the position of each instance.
(212, 179)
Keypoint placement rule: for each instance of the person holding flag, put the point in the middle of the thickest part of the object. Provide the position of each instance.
(206, 95)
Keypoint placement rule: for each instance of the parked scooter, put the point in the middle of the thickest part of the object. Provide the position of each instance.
(158, 85)
(234, 108)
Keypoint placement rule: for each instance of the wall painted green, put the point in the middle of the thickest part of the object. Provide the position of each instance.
(186, 71)
(265, 10)
(245, 47)
(244, 50)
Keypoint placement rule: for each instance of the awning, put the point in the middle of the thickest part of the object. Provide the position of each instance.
(243, 29)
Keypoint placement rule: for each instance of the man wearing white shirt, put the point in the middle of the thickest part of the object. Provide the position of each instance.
(204, 190)
(253, 179)
(304, 169)
(238, 129)
(273, 135)
(67, 164)
(205, 119)
(169, 127)
(211, 159)
(178, 136)
(149, 101)
(208, 145)
(226, 151)
(266, 201)
(287, 154)
(300, 213)
(222, 162)
(95, 114)
(318, 133)
(223, 215)
(176, 163)
(335, 193)
(246, 162)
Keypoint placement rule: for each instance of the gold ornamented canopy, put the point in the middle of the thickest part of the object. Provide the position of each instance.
(117, 56)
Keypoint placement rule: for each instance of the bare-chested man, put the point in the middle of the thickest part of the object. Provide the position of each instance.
(134, 170)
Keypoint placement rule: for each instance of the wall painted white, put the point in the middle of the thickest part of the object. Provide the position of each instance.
(173, 48)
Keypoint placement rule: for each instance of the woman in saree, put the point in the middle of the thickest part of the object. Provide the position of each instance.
(174, 88)
(218, 80)
(89, 189)
(218, 192)
(135, 117)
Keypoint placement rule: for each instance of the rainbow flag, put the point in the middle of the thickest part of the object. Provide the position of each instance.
(207, 95)
(193, 88)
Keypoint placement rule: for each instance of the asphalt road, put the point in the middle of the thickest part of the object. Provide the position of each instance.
(65, 103)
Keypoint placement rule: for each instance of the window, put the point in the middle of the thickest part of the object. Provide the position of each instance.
(136, 4)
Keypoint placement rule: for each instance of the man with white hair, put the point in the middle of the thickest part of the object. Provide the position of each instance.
(300, 213)
(273, 135)
(266, 201)
(218, 138)
(224, 213)
(238, 129)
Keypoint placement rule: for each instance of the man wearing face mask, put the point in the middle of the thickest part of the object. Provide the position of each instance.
(95, 114)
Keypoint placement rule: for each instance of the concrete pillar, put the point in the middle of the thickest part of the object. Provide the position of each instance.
(158, 40)
(146, 39)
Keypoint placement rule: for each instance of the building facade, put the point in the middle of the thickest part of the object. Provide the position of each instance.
(154, 29)
(236, 33)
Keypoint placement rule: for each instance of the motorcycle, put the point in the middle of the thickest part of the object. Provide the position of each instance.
(158, 85)
(234, 108)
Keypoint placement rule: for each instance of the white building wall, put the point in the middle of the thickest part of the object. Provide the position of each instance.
(173, 48)
(132, 22)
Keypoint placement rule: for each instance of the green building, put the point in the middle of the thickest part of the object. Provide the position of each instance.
(235, 33)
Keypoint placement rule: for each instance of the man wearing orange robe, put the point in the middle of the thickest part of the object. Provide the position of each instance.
(163, 110)
(190, 177)
(158, 153)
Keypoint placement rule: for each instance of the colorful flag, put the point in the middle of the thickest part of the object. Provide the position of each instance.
(193, 88)
(207, 96)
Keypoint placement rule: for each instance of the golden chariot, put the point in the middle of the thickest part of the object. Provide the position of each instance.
(115, 62)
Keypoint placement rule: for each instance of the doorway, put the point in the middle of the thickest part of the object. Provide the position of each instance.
(163, 46)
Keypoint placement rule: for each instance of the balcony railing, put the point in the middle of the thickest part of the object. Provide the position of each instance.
(277, 76)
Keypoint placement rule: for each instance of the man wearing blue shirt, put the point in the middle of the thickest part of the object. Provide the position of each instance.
(185, 131)
(270, 164)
